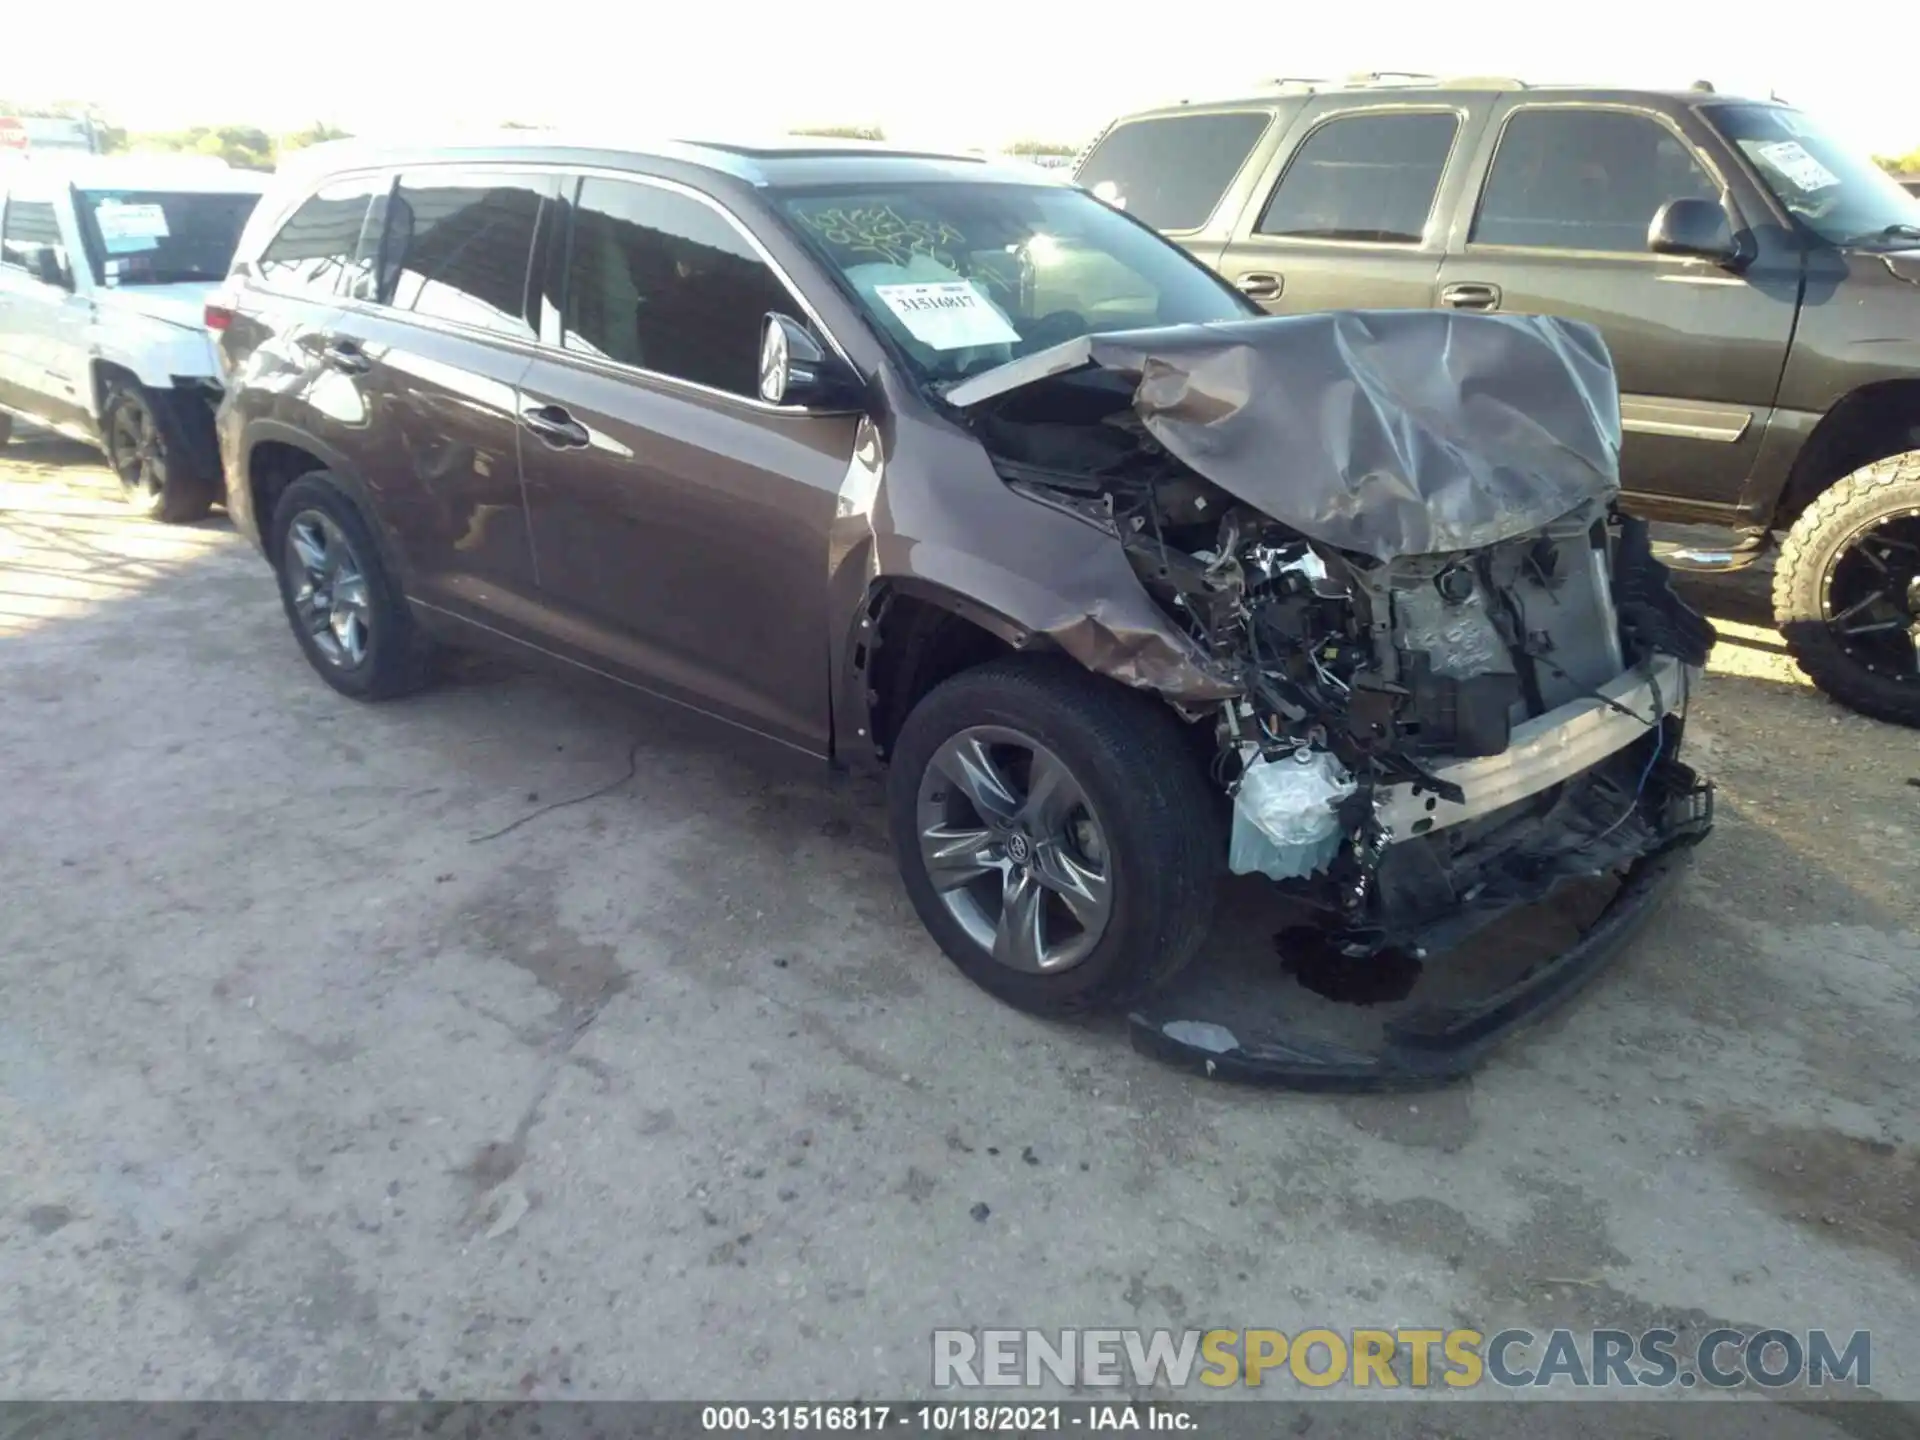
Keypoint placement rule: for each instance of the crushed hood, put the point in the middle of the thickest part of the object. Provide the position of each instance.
(1382, 432)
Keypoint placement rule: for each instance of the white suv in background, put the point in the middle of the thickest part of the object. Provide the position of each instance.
(105, 267)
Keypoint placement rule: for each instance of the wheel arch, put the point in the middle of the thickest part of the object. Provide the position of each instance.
(911, 635)
(275, 455)
(104, 375)
(1867, 424)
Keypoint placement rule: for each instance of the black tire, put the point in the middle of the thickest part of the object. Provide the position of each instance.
(1887, 490)
(393, 654)
(151, 456)
(1164, 844)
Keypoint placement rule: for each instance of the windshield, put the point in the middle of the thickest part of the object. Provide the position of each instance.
(161, 237)
(963, 277)
(1840, 195)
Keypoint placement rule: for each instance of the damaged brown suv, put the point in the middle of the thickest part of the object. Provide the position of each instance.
(908, 460)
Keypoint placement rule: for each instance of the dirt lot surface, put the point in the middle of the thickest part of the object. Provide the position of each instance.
(309, 1090)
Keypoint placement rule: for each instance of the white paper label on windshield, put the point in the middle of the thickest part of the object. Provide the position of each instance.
(948, 315)
(1791, 159)
(130, 227)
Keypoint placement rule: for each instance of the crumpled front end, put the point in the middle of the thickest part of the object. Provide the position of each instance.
(1462, 675)
(1429, 741)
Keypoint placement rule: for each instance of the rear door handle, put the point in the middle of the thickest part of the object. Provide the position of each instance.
(346, 355)
(1470, 295)
(554, 425)
(1260, 285)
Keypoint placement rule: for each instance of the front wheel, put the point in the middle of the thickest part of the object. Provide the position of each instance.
(1846, 590)
(151, 458)
(1055, 834)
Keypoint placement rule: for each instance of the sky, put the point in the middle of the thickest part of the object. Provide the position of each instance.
(979, 73)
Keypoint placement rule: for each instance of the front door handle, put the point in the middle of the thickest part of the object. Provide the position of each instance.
(347, 356)
(1260, 285)
(1470, 295)
(554, 425)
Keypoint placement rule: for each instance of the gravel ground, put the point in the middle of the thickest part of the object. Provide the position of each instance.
(310, 1091)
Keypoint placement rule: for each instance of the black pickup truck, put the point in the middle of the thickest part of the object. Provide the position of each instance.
(1757, 281)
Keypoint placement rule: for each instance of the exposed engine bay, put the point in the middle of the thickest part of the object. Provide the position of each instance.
(1428, 608)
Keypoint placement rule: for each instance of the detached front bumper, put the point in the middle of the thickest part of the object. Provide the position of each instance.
(1228, 1034)
(1242, 1023)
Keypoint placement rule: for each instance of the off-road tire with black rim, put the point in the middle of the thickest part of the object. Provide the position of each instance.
(396, 654)
(151, 456)
(1839, 518)
(1162, 823)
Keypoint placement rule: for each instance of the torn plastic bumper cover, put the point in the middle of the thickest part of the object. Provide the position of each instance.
(1243, 1033)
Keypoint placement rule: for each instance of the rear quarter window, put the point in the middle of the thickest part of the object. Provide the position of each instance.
(316, 251)
(1171, 170)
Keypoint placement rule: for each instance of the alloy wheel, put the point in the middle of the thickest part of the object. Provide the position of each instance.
(139, 453)
(1870, 597)
(1014, 849)
(329, 589)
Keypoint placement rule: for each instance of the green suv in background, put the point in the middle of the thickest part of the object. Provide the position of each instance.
(1757, 282)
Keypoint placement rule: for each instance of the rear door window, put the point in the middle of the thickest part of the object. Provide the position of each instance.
(1566, 179)
(1364, 177)
(663, 281)
(27, 227)
(316, 250)
(1171, 170)
(458, 247)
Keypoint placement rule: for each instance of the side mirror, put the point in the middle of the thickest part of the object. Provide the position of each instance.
(1694, 227)
(796, 370)
(45, 265)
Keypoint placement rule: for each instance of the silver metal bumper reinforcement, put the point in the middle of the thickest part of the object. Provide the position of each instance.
(1544, 752)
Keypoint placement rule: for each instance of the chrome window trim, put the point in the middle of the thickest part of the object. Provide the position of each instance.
(533, 345)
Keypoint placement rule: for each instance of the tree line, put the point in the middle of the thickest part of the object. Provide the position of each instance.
(253, 148)
(248, 146)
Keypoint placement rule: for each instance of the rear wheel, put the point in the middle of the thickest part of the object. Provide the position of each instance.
(349, 616)
(150, 456)
(1054, 833)
(1846, 590)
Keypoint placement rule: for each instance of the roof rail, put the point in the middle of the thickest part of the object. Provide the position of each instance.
(1384, 79)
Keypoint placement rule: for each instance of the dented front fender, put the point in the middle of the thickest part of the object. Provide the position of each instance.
(936, 520)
